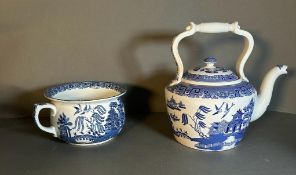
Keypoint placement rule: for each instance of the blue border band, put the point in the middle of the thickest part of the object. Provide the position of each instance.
(213, 78)
(52, 91)
(213, 92)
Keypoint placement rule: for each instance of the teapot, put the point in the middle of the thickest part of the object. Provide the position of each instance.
(210, 107)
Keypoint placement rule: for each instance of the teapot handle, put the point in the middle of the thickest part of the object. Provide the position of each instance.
(214, 27)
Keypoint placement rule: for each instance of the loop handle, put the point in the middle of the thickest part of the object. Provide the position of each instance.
(213, 27)
(38, 108)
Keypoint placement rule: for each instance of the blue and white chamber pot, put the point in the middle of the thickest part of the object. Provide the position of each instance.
(84, 113)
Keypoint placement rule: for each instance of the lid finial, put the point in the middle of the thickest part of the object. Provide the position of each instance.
(210, 61)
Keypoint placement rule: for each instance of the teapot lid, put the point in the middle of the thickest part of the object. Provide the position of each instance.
(210, 75)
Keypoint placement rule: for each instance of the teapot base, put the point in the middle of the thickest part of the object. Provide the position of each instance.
(193, 145)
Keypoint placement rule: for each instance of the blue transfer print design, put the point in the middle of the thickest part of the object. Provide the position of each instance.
(172, 104)
(64, 125)
(211, 78)
(213, 92)
(173, 117)
(225, 111)
(51, 92)
(210, 60)
(219, 132)
(92, 124)
(210, 73)
(181, 133)
(212, 70)
(115, 118)
(184, 119)
(198, 118)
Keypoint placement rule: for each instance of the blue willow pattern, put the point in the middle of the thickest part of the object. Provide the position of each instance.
(92, 124)
(218, 132)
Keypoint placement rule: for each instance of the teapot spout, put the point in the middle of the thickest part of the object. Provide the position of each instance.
(266, 88)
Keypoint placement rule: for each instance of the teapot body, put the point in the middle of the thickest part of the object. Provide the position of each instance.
(210, 107)
(210, 118)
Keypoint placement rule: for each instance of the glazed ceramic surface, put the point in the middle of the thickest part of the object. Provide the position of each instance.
(84, 113)
(210, 107)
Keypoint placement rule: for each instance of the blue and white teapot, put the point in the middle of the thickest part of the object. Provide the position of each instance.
(211, 107)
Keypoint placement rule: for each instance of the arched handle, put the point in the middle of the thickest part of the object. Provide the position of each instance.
(38, 108)
(214, 28)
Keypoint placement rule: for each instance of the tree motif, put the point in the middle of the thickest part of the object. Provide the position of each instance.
(115, 118)
(64, 123)
(120, 109)
(112, 116)
(197, 119)
(94, 122)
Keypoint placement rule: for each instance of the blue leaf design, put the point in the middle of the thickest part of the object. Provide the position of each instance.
(204, 109)
(201, 124)
(101, 110)
(64, 120)
(199, 116)
(184, 119)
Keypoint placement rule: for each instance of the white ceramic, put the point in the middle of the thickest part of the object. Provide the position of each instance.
(210, 107)
(84, 113)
